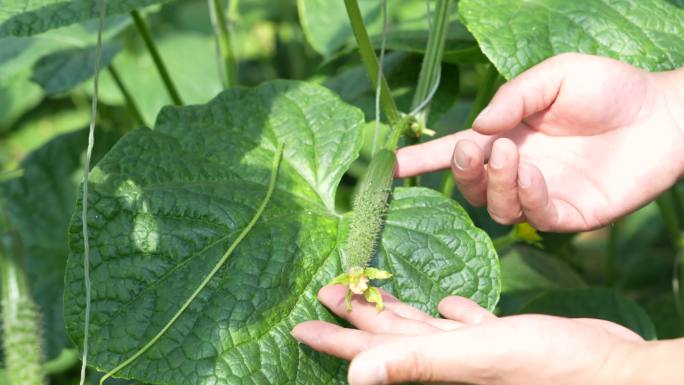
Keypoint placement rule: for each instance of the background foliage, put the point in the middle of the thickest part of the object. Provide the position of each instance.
(164, 194)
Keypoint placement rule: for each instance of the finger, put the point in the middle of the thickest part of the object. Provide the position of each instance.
(532, 91)
(539, 209)
(462, 356)
(366, 317)
(435, 154)
(502, 185)
(335, 340)
(464, 310)
(393, 303)
(469, 172)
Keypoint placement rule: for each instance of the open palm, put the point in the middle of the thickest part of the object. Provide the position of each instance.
(469, 346)
(571, 144)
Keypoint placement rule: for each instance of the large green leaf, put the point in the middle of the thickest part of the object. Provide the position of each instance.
(525, 269)
(516, 34)
(662, 309)
(433, 250)
(40, 204)
(42, 126)
(527, 272)
(327, 27)
(25, 17)
(18, 93)
(63, 70)
(166, 204)
(599, 303)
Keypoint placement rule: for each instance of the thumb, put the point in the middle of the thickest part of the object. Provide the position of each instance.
(460, 356)
(532, 91)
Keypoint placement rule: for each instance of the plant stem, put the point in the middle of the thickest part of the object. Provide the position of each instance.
(65, 361)
(429, 73)
(611, 268)
(484, 94)
(11, 174)
(677, 202)
(666, 205)
(225, 46)
(505, 241)
(144, 31)
(369, 59)
(679, 296)
(667, 212)
(130, 103)
(432, 61)
(482, 97)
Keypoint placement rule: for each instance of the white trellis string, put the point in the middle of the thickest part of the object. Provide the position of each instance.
(86, 172)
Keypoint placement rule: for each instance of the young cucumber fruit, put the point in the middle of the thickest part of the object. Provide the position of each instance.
(369, 209)
(20, 318)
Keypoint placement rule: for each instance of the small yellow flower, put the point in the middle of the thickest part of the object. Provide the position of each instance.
(356, 280)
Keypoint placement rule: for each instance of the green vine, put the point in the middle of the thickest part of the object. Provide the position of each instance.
(144, 31)
(432, 61)
(130, 102)
(668, 211)
(223, 36)
(370, 60)
(430, 72)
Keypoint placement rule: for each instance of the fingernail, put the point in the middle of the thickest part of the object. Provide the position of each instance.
(524, 177)
(462, 159)
(369, 373)
(498, 158)
(292, 333)
(482, 116)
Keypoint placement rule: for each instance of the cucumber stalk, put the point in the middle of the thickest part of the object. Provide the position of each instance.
(369, 209)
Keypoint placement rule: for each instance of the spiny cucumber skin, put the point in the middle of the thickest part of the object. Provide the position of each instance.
(369, 209)
(22, 342)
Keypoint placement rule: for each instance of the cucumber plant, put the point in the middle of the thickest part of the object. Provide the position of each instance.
(20, 318)
(211, 231)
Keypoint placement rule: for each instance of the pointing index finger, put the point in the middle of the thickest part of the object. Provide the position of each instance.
(436, 154)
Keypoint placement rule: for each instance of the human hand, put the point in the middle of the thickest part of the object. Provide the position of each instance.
(572, 144)
(470, 346)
